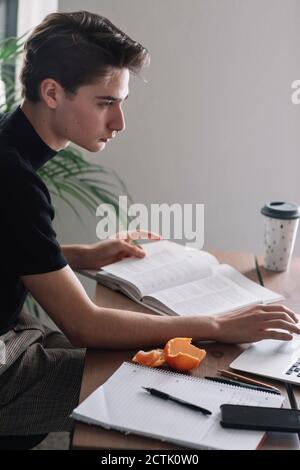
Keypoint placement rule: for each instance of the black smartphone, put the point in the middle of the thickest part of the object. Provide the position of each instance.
(260, 418)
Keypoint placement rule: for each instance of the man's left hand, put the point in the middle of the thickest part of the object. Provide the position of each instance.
(119, 246)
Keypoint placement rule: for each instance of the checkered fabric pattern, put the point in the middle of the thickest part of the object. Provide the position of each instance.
(40, 379)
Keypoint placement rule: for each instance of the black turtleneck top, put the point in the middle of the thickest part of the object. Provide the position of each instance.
(27, 240)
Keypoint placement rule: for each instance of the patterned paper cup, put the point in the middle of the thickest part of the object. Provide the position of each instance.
(281, 223)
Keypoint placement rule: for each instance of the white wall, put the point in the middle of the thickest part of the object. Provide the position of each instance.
(215, 123)
(31, 12)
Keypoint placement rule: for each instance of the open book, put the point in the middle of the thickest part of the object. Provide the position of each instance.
(122, 404)
(176, 280)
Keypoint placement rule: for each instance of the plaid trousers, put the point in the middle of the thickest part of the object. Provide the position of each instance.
(40, 379)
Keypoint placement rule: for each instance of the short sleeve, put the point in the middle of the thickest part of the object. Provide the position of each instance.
(30, 239)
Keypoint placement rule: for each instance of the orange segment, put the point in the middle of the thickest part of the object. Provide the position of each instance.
(152, 358)
(181, 355)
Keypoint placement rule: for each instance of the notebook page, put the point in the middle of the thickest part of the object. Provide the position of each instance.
(122, 404)
(166, 264)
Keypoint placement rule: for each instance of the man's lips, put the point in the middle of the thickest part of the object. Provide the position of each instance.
(107, 139)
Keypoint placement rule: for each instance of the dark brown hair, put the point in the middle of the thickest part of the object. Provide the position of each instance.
(75, 49)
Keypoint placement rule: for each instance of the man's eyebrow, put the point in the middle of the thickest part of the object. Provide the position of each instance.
(111, 98)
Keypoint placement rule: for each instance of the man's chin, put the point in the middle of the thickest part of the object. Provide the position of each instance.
(93, 147)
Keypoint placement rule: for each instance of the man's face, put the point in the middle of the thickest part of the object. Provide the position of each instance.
(90, 117)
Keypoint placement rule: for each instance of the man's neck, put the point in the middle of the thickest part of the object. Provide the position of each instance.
(41, 120)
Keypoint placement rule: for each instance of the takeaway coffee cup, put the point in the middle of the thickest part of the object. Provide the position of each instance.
(281, 223)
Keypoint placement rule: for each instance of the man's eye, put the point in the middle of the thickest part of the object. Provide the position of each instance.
(105, 103)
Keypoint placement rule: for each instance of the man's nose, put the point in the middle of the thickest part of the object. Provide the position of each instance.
(118, 123)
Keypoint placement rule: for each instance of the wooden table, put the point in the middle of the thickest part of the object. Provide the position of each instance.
(100, 365)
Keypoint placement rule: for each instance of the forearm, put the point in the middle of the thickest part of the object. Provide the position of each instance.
(119, 329)
(63, 297)
(76, 255)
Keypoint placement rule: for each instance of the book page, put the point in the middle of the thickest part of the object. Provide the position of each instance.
(166, 264)
(122, 404)
(225, 290)
(212, 295)
(262, 294)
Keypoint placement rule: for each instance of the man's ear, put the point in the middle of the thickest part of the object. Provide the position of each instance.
(51, 92)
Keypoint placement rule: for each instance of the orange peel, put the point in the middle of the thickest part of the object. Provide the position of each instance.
(181, 355)
(153, 358)
(178, 353)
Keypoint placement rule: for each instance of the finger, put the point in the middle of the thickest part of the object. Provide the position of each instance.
(143, 235)
(134, 243)
(271, 334)
(277, 316)
(284, 325)
(283, 308)
(133, 250)
(120, 235)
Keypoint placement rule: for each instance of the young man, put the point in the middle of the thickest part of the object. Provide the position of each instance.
(75, 79)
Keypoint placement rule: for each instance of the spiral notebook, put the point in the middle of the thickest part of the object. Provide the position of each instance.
(122, 404)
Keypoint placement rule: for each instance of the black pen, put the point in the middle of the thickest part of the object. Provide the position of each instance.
(242, 385)
(166, 396)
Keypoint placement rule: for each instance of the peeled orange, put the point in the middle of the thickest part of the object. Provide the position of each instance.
(181, 355)
(178, 353)
(152, 358)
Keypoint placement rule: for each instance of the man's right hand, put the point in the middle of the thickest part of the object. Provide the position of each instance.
(257, 323)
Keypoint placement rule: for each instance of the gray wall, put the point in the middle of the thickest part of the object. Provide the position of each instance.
(215, 123)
